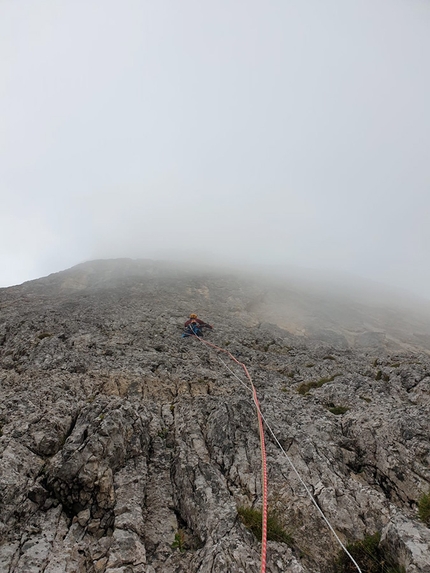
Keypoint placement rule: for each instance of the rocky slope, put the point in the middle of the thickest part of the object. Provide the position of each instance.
(125, 448)
(345, 312)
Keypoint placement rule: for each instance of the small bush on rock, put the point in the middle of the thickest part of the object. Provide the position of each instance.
(252, 519)
(179, 542)
(424, 508)
(306, 386)
(338, 410)
(369, 556)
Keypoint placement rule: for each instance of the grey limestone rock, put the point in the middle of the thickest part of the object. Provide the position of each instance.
(126, 448)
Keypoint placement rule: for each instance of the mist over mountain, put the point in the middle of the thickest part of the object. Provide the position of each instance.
(125, 448)
(345, 311)
(278, 133)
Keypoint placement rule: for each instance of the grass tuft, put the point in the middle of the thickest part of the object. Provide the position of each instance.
(306, 386)
(338, 410)
(252, 519)
(424, 508)
(179, 541)
(370, 557)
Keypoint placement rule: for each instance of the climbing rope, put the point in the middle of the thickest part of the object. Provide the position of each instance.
(261, 418)
(263, 451)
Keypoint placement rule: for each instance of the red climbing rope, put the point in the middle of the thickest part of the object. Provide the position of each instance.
(263, 453)
(262, 419)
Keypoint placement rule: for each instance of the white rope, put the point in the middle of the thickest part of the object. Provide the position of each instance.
(295, 471)
(309, 493)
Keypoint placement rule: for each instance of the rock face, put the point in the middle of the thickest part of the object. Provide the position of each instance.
(125, 448)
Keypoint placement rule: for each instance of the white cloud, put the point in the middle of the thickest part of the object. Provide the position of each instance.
(284, 132)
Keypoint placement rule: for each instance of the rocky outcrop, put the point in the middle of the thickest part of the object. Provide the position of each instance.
(125, 448)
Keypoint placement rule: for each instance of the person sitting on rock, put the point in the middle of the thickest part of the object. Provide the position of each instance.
(194, 326)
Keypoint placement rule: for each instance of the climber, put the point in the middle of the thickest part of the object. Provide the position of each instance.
(194, 326)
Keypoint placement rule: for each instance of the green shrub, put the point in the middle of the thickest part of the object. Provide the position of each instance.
(369, 556)
(306, 386)
(338, 410)
(378, 375)
(424, 508)
(179, 542)
(252, 519)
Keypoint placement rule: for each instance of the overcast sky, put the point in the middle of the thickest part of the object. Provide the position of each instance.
(286, 132)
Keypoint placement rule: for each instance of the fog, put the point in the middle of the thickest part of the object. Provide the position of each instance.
(280, 133)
